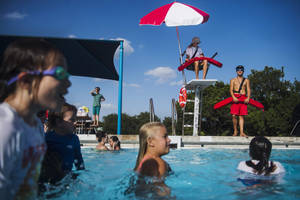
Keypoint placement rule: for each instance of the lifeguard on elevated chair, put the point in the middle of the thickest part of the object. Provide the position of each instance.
(195, 59)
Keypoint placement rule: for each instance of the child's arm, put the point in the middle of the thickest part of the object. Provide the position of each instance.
(102, 98)
(78, 156)
(92, 92)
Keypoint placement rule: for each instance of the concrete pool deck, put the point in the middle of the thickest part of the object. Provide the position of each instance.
(237, 142)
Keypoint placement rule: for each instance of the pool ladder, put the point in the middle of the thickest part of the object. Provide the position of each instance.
(189, 113)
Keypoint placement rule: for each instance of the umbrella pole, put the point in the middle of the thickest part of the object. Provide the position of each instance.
(180, 56)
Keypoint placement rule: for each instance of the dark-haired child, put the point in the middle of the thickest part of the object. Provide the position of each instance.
(259, 151)
(102, 139)
(114, 143)
(61, 138)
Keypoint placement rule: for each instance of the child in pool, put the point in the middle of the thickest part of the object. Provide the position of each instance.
(260, 151)
(33, 77)
(102, 139)
(154, 143)
(114, 143)
(61, 138)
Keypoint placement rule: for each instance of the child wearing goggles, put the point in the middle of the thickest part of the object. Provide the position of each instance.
(33, 77)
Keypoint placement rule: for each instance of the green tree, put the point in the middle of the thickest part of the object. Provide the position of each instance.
(168, 124)
(278, 96)
(130, 124)
(111, 123)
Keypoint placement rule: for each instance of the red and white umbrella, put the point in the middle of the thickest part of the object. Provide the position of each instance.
(175, 14)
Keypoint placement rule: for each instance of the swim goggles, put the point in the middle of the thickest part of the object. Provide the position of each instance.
(239, 68)
(58, 72)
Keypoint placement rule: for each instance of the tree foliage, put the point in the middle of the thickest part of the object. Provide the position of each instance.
(130, 124)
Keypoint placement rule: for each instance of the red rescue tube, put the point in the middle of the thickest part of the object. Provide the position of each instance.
(210, 60)
(229, 100)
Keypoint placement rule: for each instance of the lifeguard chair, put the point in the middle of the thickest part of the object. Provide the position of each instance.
(198, 86)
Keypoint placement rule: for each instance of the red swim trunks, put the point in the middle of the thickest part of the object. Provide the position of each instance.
(239, 108)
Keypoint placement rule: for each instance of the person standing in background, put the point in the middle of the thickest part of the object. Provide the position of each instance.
(96, 104)
(240, 92)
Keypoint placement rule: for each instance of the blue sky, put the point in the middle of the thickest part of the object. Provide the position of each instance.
(254, 33)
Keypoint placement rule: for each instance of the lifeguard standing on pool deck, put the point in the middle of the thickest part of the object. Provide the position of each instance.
(193, 51)
(96, 105)
(238, 87)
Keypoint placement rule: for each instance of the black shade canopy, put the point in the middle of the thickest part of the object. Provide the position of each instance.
(92, 58)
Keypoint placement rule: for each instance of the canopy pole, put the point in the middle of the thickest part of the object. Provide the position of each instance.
(180, 56)
(120, 88)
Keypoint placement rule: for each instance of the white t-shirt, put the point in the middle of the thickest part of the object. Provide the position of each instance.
(191, 50)
(22, 148)
(245, 168)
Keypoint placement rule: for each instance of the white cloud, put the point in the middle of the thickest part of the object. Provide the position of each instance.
(108, 106)
(15, 15)
(162, 74)
(132, 85)
(98, 80)
(176, 83)
(72, 36)
(128, 49)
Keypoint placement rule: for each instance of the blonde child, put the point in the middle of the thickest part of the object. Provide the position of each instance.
(33, 77)
(154, 143)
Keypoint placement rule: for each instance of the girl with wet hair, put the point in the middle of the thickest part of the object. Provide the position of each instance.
(115, 143)
(150, 167)
(154, 143)
(33, 77)
(260, 151)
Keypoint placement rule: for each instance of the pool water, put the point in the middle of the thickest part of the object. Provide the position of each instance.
(197, 174)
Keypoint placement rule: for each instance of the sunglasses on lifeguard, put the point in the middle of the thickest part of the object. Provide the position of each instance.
(57, 72)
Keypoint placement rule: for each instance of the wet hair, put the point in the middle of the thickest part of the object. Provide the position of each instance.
(26, 55)
(260, 149)
(100, 135)
(116, 140)
(53, 116)
(146, 131)
(240, 67)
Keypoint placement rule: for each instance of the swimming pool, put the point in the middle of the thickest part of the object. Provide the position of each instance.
(198, 174)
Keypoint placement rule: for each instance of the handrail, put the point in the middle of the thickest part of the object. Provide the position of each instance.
(295, 127)
(151, 110)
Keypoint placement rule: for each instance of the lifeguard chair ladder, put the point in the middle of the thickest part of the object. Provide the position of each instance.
(197, 85)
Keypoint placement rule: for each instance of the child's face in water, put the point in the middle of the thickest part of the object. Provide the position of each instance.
(51, 92)
(161, 141)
